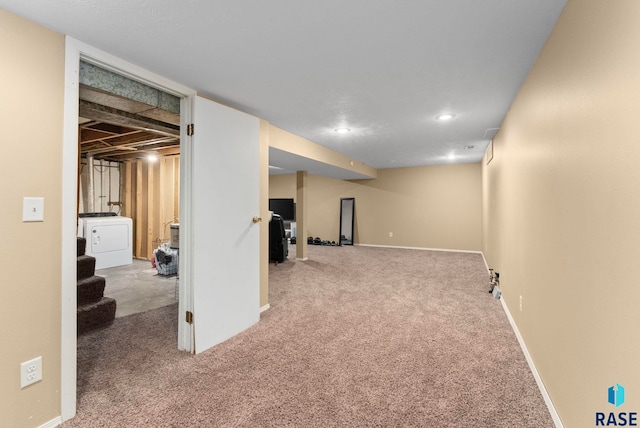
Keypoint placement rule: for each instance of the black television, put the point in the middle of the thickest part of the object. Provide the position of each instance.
(285, 207)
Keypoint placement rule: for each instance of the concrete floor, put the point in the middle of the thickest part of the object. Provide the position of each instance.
(138, 287)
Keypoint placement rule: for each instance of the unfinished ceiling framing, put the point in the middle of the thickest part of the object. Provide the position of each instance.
(122, 119)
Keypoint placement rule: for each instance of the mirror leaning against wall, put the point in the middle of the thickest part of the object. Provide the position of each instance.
(347, 208)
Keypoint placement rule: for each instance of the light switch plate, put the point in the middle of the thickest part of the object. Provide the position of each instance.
(33, 209)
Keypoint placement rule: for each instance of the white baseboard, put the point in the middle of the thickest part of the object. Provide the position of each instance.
(56, 422)
(264, 308)
(485, 261)
(536, 375)
(419, 248)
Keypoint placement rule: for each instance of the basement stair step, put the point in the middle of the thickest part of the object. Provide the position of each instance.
(82, 246)
(86, 267)
(92, 316)
(90, 289)
(94, 310)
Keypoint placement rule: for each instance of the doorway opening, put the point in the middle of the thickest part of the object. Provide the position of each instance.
(76, 52)
(229, 169)
(128, 193)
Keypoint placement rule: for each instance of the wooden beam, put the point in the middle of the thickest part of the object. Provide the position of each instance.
(176, 189)
(128, 188)
(147, 139)
(139, 209)
(162, 202)
(122, 118)
(150, 202)
(120, 157)
(169, 151)
(112, 136)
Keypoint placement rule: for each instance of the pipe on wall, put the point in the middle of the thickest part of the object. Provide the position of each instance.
(90, 196)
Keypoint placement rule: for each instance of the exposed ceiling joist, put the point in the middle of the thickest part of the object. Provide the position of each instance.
(118, 129)
(130, 120)
(109, 137)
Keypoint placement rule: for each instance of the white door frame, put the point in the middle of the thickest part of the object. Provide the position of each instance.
(76, 50)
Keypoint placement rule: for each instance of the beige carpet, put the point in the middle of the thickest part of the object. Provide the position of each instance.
(356, 336)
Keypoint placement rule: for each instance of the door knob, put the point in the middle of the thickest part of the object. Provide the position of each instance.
(257, 219)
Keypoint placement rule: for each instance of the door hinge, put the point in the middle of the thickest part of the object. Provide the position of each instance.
(189, 317)
(190, 129)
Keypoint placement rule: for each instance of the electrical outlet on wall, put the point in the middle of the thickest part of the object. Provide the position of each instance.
(30, 372)
(521, 303)
(390, 234)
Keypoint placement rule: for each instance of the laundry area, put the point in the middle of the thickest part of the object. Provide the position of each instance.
(128, 194)
(139, 288)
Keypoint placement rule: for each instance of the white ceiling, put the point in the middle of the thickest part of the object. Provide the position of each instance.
(382, 68)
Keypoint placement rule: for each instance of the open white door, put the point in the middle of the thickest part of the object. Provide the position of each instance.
(224, 268)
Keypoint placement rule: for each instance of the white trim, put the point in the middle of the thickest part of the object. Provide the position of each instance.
(53, 423)
(186, 335)
(74, 51)
(485, 261)
(532, 366)
(302, 259)
(68, 318)
(419, 248)
(265, 307)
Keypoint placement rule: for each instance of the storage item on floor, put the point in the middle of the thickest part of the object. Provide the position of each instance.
(278, 246)
(109, 240)
(166, 260)
(175, 235)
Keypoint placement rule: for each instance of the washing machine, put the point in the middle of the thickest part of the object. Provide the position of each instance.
(109, 240)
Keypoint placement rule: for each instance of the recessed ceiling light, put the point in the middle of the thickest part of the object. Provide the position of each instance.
(342, 130)
(445, 116)
(451, 156)
(152, 157)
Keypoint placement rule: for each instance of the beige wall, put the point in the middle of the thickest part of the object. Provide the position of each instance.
(291, 143)
(562, 209)
(31, 108)
(426, 207)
